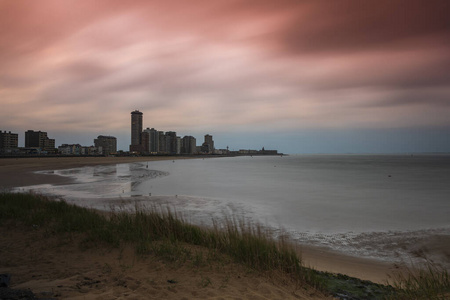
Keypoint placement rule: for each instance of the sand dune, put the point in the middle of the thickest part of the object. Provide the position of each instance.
(55, 266)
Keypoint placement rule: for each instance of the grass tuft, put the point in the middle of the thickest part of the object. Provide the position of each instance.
(430, 282)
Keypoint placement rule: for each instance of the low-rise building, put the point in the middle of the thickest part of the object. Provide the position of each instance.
(249, 151)
(90, 150)
(77, 149)
(268, 152)
(69, 149)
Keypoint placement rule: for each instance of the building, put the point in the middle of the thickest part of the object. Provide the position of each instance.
(162, 142)
(209, 141)
(69, 149)
(208, 145)
(145, 136)
(35, 139)
(248, 151)
(178, 145)
(171, 142)
(39, 139)
(108, 144)
(188, 145)
(222, 151)
(77, 149)
(136, 130)
(90, 150)
(153, 141)
(268, 152)
(8, 141)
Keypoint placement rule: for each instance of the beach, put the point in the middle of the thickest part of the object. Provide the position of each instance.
(45, 264)
(15, 172)
(56, 267)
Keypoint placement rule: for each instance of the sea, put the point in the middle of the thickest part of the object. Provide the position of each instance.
(394, 208)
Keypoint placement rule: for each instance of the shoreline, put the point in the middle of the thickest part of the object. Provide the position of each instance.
(21, 172)
(18, 172)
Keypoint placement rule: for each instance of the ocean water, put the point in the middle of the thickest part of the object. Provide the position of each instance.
(384, 206)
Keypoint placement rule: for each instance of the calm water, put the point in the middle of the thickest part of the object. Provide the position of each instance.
(380, 206)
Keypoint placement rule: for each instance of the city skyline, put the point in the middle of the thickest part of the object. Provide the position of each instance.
(298, 76)
(152, 141)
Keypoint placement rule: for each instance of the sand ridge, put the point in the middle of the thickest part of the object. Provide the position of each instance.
(55, 266)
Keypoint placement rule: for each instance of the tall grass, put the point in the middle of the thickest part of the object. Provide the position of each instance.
(56, 216)
(430, 282)
(250, 245)
(246, 244)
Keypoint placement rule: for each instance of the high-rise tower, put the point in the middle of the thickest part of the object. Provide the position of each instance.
(136, 129)
(209, 141)
(208, 145)
(153, 140)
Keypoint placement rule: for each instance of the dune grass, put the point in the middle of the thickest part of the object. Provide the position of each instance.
(245, 244)
(162, 232)
(429, 282)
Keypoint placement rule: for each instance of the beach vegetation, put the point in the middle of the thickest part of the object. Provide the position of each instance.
(162, 232)
(156, 230)
(428, 282)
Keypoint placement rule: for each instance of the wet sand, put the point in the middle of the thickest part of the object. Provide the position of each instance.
(19, 172)
(15, 172)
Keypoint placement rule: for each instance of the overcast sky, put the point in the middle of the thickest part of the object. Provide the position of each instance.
(299, 76)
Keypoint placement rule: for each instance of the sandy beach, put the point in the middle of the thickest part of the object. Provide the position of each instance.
(47, 264)
(15, 172)
(56, 267)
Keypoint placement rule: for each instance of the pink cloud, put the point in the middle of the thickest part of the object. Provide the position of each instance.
(284, 64)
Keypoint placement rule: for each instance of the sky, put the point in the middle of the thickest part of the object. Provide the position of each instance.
(293, 75)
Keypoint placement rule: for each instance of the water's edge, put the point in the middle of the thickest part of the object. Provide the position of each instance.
(113, 188)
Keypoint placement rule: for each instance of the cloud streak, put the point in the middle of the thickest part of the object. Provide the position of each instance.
(221, 66)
